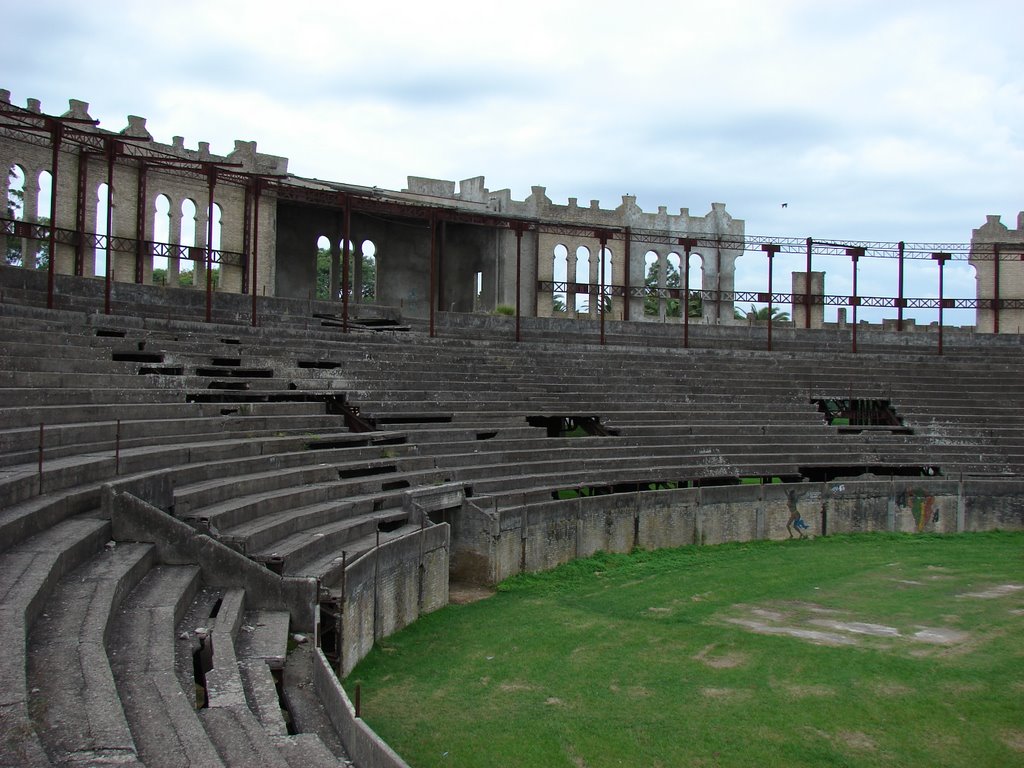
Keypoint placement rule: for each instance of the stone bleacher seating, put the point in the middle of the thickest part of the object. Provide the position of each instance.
(120, 653)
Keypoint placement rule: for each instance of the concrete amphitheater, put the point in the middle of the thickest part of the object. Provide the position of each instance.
(213, 503)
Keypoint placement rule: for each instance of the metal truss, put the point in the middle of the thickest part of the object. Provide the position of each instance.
(757, 297)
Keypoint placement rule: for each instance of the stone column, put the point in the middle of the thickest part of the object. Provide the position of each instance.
(30, 213)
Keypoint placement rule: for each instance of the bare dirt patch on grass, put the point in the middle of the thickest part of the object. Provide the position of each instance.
(463, 594)
(994, 592)
(1014, 740)
(708, 658)
(829, 626)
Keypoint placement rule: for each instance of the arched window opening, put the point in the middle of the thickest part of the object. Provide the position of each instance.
(607, 279)
(15, 209)
(478, 291)
(187, 238)
(42, 215)
(323, 267)
(673, 279)
(696, 279)
(368, 281)
(582, 300)
(559, 274)
(100, 258)
(652, 273)
(162, 235)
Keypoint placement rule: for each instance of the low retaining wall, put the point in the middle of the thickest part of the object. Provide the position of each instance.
(489, 546)
(366, 748)
(390, 587)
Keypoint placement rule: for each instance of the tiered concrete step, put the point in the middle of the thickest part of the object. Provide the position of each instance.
(73, 698)
(29, 572)
(160, 712)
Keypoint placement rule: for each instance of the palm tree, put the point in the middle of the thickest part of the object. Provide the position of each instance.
(756, 315)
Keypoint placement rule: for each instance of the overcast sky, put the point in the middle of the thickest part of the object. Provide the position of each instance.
(871, 120)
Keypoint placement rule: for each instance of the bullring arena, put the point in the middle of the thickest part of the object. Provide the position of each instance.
(223, 481)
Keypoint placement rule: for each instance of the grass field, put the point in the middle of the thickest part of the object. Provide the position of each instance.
(871, 650)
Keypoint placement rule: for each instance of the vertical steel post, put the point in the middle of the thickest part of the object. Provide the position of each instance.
(687, 243)
(807, 284)
(901, 248)
(83, 183)
(626, 254)
(140, 223)
(519, 280)
(255, 244)
(855, 254)
(346, 262)
(246, 238)
(770, 249)
(433, 269)
(995, 287)
(603, 239)
(212, 182)
(110, 225)
(55, 137)
(941, 258)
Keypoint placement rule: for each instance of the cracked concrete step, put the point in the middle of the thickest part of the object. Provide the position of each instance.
(29, 571)
(72, 696)
(160, 712)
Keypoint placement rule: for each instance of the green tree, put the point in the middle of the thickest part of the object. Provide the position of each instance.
(323, 275)
(558, 305)
(695, 304)
(756, 315)
(14, 204)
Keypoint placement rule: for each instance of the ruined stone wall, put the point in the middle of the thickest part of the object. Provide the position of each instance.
(171, 186)
(538, 537)
(583, 252)
(1010, 243)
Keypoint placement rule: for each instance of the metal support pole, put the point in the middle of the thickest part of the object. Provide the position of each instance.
(995, 287)
(212, 176)
(52, 238)
(83, 183)
(770, 249)
(140, 224)
(117, 448)
(807, 284)
(110, 225)
(519, 280)
(855, 254)
(899, 287)
(346, 262)
(687, 244)
(626, 258)
(941, 258)
(255, 244)
(247, 239)
(603, 239)
(433, 270)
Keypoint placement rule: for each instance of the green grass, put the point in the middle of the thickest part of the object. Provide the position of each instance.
(651, 660)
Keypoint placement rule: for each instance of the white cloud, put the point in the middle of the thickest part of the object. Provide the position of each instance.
(873, 120)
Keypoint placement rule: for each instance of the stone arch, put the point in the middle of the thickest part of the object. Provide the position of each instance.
(560, 274)
(673, 281)
(368, 260)
(162, 234)
(100, 265)
(188, 231)
(607, 261)
(581, 302)
(14, 208)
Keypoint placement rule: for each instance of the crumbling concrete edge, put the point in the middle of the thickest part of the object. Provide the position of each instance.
(133, 519)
